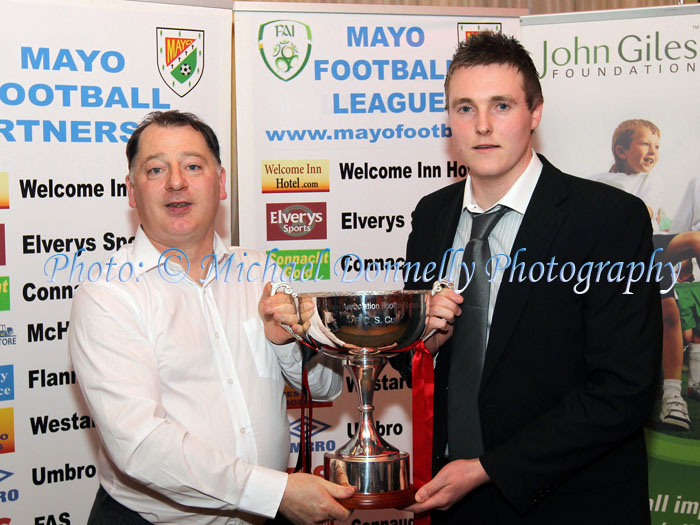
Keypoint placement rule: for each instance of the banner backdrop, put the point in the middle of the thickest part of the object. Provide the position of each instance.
(341, 130)
(599, 70)
(76, 79)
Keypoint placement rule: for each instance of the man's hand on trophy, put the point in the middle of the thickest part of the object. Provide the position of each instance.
(454, 481)
(280, 309)
(312, 499)
(444, 307)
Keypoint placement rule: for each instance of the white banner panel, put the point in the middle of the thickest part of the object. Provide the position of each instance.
(341, 130)
(599, 70)
(77, 78)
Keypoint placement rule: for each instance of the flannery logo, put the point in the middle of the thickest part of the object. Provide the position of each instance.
(293, 221)
(467, 29)
(285, 46)
(316, 428)
(180, 58)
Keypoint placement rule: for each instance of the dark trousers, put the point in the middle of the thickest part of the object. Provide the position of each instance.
(108, 511)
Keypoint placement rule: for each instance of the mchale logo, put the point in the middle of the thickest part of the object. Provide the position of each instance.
(7, 385)
(7, 336)
(4, 192)
(4, 293)
(294, 400)
(467, 29)
(7, 430)
(305, 220)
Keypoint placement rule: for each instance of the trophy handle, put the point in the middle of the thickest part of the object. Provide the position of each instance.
(286, 288)
(438, 286)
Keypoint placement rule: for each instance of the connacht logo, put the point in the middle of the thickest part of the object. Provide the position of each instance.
(180, 58)
(285, 46)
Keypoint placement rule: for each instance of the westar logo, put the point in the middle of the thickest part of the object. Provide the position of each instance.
(7, 430)
(316, 427)
(295, 221)
(285, 47)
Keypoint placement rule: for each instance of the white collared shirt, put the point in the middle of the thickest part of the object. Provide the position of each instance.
(186, 392)
(503, 234)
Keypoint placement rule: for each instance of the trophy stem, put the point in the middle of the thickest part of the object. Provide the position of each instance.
(366, 442)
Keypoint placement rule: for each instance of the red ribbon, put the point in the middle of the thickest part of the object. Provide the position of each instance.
(423, 391)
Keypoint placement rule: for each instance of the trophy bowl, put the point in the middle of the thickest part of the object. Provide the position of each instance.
(365, 329)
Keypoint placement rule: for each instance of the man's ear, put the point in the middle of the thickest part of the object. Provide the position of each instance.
(222, 183)
(130, 191)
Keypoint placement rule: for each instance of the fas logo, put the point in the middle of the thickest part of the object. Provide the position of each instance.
(180, 58)
(285, 46)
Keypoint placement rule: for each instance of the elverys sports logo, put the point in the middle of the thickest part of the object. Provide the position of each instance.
(180, 58)
(285, 46)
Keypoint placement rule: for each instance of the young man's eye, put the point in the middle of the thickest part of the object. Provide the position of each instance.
(465, 109)
(503, 106)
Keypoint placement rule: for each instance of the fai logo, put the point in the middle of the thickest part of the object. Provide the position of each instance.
(180, 58)
(285, 46)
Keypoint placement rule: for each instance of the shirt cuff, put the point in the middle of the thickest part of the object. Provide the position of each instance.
(287, 353)
(264, 491)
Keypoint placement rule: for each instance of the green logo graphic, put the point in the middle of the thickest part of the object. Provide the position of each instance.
(4, 293)
(305, 265)
(285, 46)
(180, 58)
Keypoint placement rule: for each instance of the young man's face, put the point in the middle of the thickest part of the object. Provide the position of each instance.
(491, 123)
(643, 152)
(176, 189)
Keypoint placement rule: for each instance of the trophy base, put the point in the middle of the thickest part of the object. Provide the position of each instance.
(382, 500)
(381, 481)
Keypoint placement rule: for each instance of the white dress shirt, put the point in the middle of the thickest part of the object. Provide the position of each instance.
(186, 391)
(503, 234)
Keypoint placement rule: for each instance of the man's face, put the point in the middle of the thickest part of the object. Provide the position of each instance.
(176, 189)
(643, 152)
(491, 123)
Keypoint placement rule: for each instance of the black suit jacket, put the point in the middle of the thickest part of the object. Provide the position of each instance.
(568, 378)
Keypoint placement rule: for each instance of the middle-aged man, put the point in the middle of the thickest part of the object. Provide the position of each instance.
(539, 408)
(182, 365)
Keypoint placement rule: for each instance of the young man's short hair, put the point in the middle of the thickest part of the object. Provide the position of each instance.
(486, 48)
(174, 119)
(623, 135)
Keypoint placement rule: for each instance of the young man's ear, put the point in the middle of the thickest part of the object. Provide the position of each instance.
(620, 152)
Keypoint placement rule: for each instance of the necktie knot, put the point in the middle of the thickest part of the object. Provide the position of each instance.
(484, 223)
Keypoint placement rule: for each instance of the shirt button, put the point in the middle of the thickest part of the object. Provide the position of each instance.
(216, 334)
(230, 381)
(242, 430)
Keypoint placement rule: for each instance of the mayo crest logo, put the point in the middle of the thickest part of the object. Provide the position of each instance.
(285, 46)
(180, 55)
(467, 29)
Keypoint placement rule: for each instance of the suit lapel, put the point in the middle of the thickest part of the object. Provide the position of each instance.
(451, 212)
(541, 221)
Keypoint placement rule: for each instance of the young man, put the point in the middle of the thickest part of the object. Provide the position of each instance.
(182, 369)
(566, 379)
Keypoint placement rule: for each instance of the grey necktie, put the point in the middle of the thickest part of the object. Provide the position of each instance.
(469, 344)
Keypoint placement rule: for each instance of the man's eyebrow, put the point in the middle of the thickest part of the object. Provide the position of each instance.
(495, 98)
(161, 156)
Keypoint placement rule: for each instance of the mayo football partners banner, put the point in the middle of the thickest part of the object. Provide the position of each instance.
(636, 72)
(77, 78)
(341, 129)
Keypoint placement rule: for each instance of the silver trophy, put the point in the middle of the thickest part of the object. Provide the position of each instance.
(365, 329)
